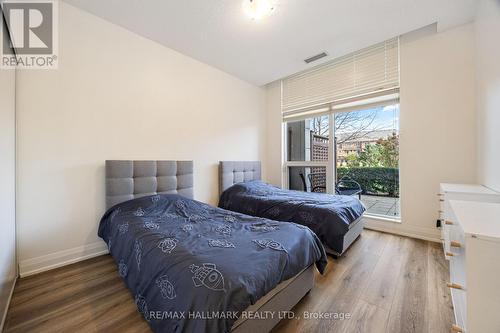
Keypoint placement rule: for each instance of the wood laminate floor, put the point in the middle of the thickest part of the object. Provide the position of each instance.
(386, 283)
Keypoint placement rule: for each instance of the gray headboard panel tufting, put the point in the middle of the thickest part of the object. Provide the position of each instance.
(232, 172)
(127, 180)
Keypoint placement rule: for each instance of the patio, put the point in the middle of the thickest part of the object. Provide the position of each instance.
(378, 205)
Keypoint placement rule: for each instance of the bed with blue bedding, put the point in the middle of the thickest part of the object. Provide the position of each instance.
(336, 219)
(192, 267)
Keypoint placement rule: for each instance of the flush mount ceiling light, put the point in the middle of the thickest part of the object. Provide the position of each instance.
(258, 9)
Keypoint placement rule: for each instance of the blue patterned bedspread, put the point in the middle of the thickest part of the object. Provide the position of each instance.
(329, 216)
(185, 261)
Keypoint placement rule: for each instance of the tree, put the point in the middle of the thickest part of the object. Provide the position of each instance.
(348, 125)
(389, 149)
(383, 153)
(320, 125)
(359, 128)
(371, 156)
(352, 160)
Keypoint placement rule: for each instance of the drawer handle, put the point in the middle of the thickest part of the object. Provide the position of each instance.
(451, 254)
(448, 222)
(455, 244)
(454, 286)
(440, 194)
(440, 211)
(457, 329)
(441, 200)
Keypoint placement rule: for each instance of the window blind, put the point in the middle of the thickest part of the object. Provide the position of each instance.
(357, 76)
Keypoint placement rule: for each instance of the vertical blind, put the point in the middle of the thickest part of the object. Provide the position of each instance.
(359, 75)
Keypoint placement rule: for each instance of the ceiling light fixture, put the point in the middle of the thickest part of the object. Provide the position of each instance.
(258, 9)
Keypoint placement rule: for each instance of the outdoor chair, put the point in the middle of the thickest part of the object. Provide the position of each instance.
(345, 186)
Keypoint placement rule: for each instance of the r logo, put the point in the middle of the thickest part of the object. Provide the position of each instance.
(31, 27)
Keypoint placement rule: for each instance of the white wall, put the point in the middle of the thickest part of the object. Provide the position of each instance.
(8, 266)
(274, 170)
(437, 125)
(437, 120)
(117, 96)
(488, 91)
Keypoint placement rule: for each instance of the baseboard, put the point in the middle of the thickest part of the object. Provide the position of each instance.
(58, 259)
(397, 228)
(4, 314)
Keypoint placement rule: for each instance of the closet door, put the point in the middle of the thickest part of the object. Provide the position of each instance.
(8, 265)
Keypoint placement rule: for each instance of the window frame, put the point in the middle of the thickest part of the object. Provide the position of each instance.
(309, 164)
(331, 164)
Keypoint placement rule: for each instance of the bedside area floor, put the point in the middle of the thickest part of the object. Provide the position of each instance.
(385, 283)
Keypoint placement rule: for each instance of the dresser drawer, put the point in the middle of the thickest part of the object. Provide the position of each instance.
(445, 230)
(458, 281)
(459, 307)
(457, 267)
(474, 242)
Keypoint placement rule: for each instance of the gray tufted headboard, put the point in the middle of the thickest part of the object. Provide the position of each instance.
(232, 172)
(127, 180)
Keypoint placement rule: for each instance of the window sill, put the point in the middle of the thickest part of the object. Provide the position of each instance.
(383, 218)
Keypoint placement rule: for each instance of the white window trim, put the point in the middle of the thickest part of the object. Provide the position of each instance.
(330, 164)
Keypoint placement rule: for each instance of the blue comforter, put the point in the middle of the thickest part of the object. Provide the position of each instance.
(329, 216)
(191, 266)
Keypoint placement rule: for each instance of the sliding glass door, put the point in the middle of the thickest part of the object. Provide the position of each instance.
(367, 156)
(362, 160)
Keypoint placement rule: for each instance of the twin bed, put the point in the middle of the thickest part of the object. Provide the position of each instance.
(335, 219)
(198, 268)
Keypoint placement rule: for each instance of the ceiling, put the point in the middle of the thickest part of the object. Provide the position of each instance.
(218, 33)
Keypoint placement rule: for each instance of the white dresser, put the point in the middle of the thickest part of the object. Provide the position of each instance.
(465, 192)
(473, 229)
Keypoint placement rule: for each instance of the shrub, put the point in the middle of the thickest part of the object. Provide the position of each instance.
(375, 181)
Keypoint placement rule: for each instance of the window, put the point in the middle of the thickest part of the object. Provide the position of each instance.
(341, 128)
(307, 154)
(367, 152)
(366, 155)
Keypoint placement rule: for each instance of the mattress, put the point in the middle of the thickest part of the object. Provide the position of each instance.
(182, 259)
(331, 217)
(282, 298)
